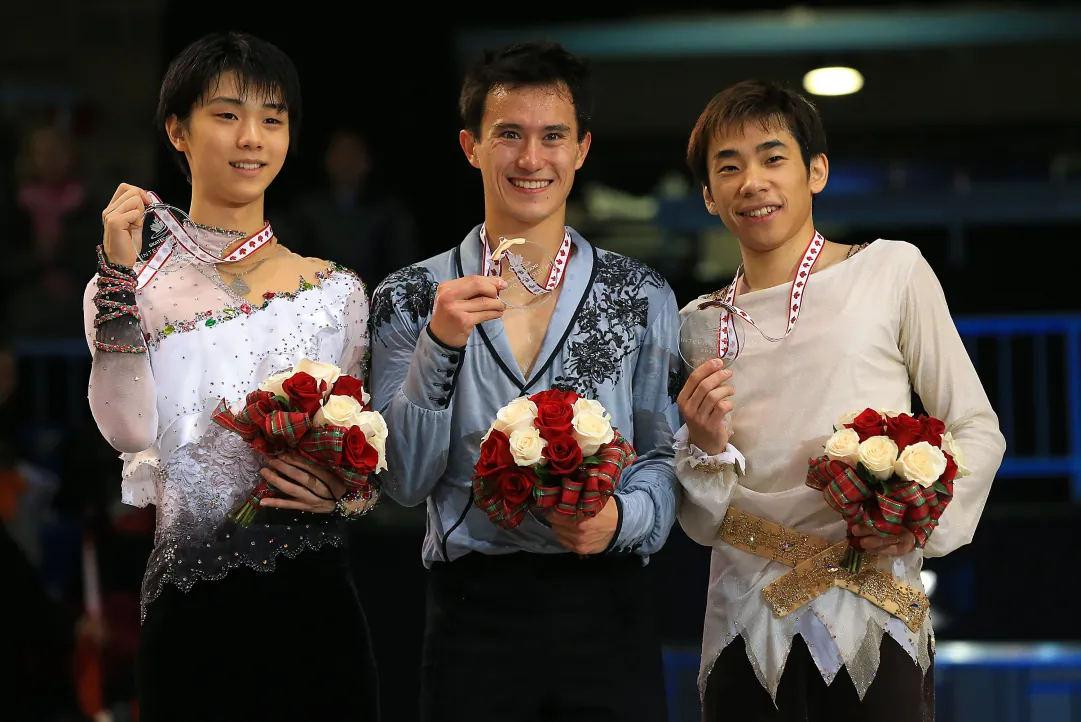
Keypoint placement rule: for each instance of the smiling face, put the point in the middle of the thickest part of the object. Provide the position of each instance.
(527, 152)
(235, 143)
(760, 186)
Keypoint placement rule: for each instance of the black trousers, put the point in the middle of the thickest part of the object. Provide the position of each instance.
(530, 637)
(901, 692)
(291, 644)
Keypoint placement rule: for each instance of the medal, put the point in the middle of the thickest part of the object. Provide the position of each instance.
(705, 335)
(530, 273)
(170, 241)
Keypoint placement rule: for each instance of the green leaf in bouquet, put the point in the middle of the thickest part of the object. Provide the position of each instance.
(592, 459)
(284, 401)
(867, 477)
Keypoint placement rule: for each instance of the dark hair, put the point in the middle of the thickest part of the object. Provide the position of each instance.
(521, 65)
(755, 101)
(260, 68)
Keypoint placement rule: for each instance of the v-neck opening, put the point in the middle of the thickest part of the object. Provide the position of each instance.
(514, 371)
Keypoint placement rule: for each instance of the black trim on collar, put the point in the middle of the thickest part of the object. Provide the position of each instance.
(558, 347)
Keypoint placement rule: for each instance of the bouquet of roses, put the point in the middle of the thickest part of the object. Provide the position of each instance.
(317, 412)
(552, 452)
(889, 471)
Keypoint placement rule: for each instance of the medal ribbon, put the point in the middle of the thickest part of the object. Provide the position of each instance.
(727, 341)
(179, 237)
(493, 262)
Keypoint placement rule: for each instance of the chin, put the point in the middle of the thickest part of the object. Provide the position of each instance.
(240, 195)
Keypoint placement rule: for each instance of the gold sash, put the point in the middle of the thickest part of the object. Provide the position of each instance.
(816, 569)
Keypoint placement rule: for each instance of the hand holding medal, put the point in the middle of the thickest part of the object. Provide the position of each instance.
(710, 338)
(149, 236)
(122, 221)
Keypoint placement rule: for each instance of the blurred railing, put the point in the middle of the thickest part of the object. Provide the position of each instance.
(1022, 361)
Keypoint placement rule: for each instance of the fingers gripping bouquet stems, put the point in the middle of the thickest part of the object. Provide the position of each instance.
(887, 473)
(315, 412)
(552, 453)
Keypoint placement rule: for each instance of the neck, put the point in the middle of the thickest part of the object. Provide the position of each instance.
(547, 234)
(247, 218)
(766, 269)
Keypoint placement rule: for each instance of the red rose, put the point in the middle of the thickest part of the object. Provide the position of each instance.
(516, 485)
(563, 454)
(931, 431)
(349, 386)
(951, 469)
(867, 424)
(304, 392)
(495, 455)
(554, 419)
(904, 430)
(552, 396)
(357, 452)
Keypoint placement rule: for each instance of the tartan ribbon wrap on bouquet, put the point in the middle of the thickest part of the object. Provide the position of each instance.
(550, 453)
(317, 413)
(887, 508)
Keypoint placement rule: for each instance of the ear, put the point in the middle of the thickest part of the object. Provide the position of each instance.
(819, 172)
(469, 147)
(707, 196)
(177, 133)
(583, 149)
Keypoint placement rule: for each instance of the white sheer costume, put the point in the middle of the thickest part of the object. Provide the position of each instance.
(872, 329)
(206, 344)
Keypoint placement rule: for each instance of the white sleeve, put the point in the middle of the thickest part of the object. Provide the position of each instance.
(708, 483)
(944, 378)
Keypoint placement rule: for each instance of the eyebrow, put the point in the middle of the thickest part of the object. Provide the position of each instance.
(558, 127)
(237, 101)
(732, 152)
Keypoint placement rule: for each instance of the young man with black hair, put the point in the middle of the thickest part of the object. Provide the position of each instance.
(861, 327)
(251, 622)
(548, 620)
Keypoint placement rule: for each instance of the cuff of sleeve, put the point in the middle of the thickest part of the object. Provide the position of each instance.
(701, 461)
(635, 521)
(139, 484)
(433, 373)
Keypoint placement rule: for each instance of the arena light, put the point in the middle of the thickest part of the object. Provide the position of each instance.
(833, 81)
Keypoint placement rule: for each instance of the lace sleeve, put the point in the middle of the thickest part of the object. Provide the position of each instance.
(122, 393)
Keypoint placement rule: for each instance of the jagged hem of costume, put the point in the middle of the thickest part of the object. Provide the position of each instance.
(268, 564)
(861, 667)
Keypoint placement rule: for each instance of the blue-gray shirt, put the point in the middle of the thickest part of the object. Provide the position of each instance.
(613, 337)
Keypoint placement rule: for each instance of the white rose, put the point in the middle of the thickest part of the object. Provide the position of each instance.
(273, 384)
(890, 413)
(844, 446)
(319, 371)
(592, 431)
(591, 406)
(878, 455)
(845, 419)
(526, 446)
(338, 411)
(372, 424)
(951, 447)
(518, 414)
(921, 463)
(375, 431)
